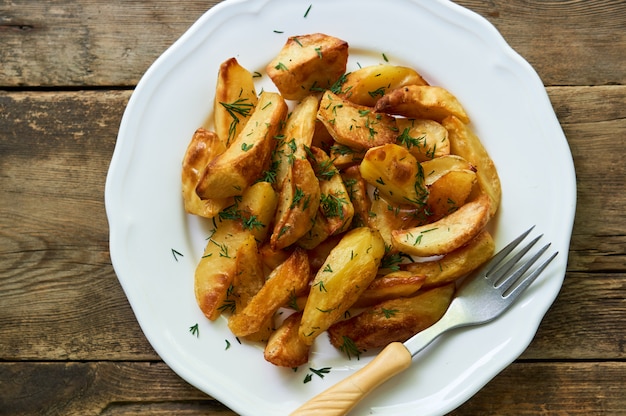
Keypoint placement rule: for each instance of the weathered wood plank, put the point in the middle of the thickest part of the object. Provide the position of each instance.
(563, 56)
(107, 43)
(125, 388)
(593, 120)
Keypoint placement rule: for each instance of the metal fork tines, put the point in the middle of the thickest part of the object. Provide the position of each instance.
(487, 293)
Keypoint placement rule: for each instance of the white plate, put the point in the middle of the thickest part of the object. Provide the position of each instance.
(450, 46)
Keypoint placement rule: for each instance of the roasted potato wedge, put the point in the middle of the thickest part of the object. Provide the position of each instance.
(422, 101)
(447, 234)
(285, 348)
(356, 187)
(203, 147)
(344, 157)
(449, 193)
(388, 216)
(395, 173)
(231, 172)
(298, 204)
(249, 279)
(308, 64)
(254, 209)
(366, 85)
(465, 143)
(235, 100)
(335, 204)
(457, 263)
(289, 278)
(348, 270)
(436, 168)
(425, 139)
(403, 283)
(393, 320)
(318, 254)
(218, 266)
(296, 135)
(355, 126)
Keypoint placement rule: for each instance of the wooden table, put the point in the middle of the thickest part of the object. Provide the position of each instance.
(69, 342)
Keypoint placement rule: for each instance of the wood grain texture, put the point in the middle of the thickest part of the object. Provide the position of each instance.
(112, 43)
(69, 341)
(126, 388)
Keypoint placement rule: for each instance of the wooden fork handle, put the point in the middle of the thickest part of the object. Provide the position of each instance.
(343, 396)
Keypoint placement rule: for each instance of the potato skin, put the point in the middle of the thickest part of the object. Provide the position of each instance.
(285, 348)
(347, 272)
(447, 234)
(230, 173)
(307, 64)
(393, 320)
(366, 85)
(287, 280)
(355, 126)
(204, 146)
(422, 101)
(457, 263)
(235, 99)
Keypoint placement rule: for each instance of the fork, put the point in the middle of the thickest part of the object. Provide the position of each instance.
(482, 297)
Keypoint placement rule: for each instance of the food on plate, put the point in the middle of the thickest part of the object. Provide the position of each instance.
(354, 125)
(249, 154)
(366, 85)
(346, 204)
(235, 99)
(422, 101)
(398, 319)
(204, 146)
(308, 64)
(466, 144)
(449, 233)
(348, 270)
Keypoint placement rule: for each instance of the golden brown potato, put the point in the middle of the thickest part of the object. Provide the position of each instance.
(285, 348)
(308, 64)
(344, 157)
(285, 281)
(357, 192)
(436, 168)
(249, 279)
(395, 173)
(425, 139)
(298, 205)
(445, 235)
(203, 147)
(256, 209)
(366, 85)
(465, 143)
(402, 283)
(335, 204)
(272, 258)
(231, 172)
(388, 216)
(392, 320)
(318, 254)
(449, 193)
(349, 269)
(355, 126)
(296, 135)
(422, 101)
(217, 268)
(235, 100)
(457, 263)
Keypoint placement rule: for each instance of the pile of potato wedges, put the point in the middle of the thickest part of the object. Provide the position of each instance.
(343, 203)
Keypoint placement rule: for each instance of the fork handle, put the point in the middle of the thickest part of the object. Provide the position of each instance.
(337, 400)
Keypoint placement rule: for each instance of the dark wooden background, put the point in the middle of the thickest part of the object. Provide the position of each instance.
(69, 342)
